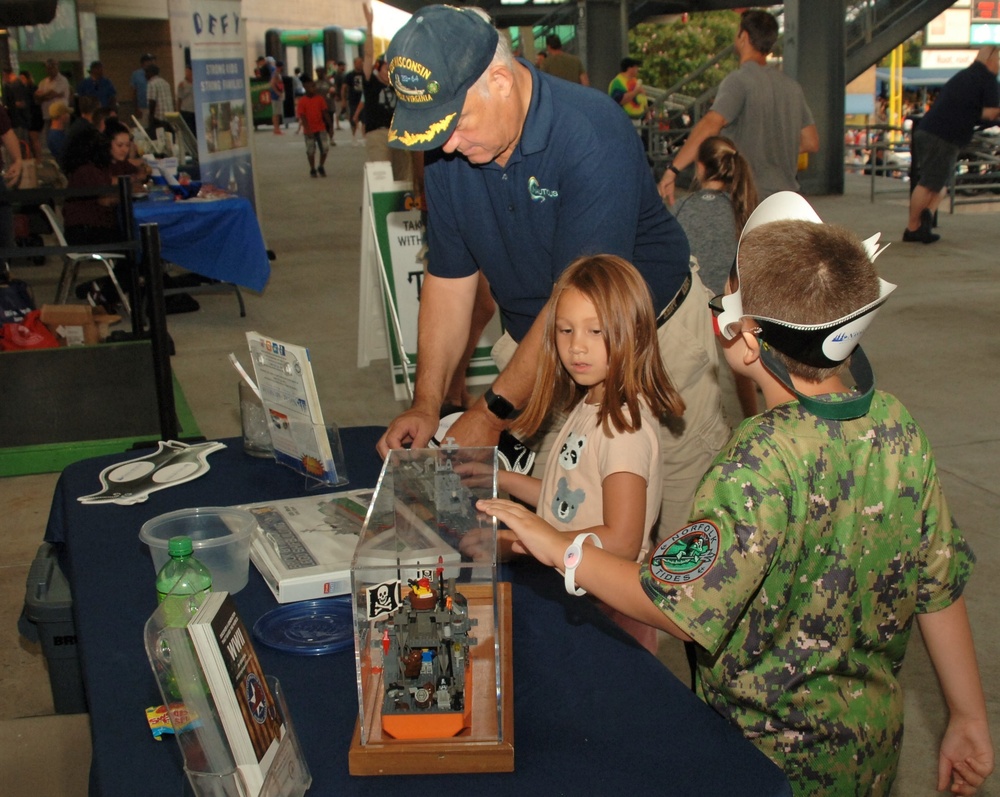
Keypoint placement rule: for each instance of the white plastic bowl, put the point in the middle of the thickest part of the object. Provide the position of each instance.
(220, 536)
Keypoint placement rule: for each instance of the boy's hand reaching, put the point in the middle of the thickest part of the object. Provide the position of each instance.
(966, 758)
(534, 535)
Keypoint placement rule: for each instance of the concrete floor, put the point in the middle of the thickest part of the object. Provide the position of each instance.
(933, 345)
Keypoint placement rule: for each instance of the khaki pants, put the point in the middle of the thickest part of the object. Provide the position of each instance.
(377, 149)
(691, 357)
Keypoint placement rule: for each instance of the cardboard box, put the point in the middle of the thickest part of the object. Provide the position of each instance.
(77, 324)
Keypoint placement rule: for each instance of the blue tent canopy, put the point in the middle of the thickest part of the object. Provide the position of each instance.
(859, 104)
(914, 77)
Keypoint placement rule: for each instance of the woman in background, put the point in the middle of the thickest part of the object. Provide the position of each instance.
(713, 218)
(95, 160)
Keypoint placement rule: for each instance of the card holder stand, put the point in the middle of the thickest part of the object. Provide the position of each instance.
(208, 758)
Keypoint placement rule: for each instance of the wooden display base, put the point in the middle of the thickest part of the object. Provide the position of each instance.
(479, 749)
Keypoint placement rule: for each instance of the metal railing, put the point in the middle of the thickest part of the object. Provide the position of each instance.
(977, 173)
(880, 151)
(884, 153)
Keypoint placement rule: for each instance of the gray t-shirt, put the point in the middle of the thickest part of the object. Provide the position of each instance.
(765, 111)
(708, 220)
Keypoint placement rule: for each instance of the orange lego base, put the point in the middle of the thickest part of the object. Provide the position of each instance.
(481, 745)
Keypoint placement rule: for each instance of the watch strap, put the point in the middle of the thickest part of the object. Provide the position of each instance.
(572, 559)
(499, 406)
(674, 169)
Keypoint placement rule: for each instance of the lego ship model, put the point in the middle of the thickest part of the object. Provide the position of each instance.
(426, 669)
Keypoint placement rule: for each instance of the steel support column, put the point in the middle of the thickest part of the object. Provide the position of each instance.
(603, 34)
(814, 48)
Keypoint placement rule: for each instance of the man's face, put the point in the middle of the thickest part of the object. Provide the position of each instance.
(359, 64)
(97, 72)
(486, 130)
(51, 68)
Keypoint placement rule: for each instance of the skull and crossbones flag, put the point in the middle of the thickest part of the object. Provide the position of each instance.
(383, 599)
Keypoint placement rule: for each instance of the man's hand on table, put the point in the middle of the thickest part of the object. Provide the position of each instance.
(414, 429)
(476, 427)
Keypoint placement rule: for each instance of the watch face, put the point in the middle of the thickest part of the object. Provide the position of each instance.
(572, 556)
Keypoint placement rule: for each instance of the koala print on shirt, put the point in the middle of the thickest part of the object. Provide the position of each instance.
(572, 449)
(565, 502)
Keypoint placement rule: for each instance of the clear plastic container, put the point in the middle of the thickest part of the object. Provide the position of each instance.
(219, 535)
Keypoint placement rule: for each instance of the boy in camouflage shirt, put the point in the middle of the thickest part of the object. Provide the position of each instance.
(817, 537)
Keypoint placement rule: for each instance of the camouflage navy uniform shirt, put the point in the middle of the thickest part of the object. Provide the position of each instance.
(816, 543)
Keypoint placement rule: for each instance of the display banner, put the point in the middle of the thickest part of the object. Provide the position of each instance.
(392, 237)
(60, 36)
(213, 30)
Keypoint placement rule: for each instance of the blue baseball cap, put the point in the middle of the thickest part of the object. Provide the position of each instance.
(434, 59)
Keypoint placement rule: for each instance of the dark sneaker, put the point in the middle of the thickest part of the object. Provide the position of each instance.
(322, 171)
(922, 236)
(312, 172)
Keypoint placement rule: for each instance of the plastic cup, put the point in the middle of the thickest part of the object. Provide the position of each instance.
(256, 430)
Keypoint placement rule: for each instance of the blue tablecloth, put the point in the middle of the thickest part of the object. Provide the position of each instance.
(220, 239)
(594, 713)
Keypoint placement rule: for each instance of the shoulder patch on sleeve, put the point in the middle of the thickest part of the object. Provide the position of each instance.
(687, 554)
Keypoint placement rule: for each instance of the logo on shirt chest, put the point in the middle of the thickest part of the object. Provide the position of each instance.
(539, 194)
(686, 555)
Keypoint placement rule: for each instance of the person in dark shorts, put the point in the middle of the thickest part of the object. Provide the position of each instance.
(968, 98)
(353, 93)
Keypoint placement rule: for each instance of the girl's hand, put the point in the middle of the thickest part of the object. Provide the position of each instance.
(534, 535)
(475, 474)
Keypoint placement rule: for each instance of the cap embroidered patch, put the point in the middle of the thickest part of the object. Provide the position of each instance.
(687, 554)
(434, 59)
(428, 137)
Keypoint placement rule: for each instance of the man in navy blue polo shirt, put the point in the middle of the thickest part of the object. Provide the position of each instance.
(525, 173)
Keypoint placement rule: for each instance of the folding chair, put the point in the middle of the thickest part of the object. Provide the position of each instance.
(74, 260)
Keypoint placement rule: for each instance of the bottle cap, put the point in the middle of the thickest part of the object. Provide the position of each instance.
(180, 546)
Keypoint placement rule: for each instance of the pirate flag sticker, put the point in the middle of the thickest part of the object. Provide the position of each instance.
(686, 555)
(383, 599)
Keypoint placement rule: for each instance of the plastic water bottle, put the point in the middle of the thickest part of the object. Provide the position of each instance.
(183, 577)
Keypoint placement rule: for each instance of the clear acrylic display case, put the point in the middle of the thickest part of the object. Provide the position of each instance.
(208, 757)
(431, 624)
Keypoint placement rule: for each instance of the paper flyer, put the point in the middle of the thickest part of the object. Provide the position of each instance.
(288, 390)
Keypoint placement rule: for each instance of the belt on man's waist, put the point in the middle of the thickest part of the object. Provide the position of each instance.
(674, 303)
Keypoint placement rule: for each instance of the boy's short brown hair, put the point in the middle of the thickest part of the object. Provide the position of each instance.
(801, 272)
